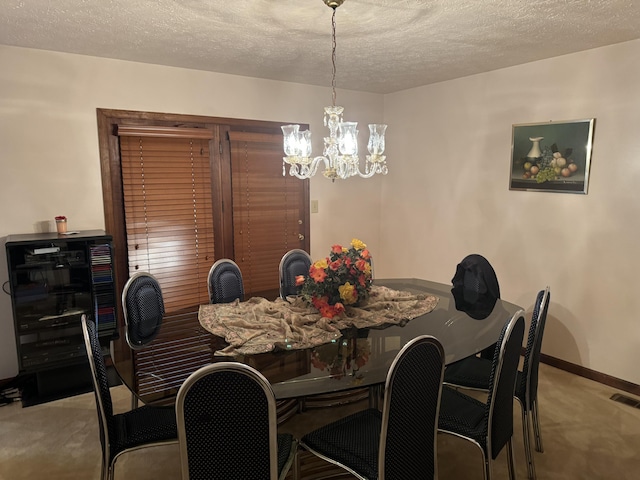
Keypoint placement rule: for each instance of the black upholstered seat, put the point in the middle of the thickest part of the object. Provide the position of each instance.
(227, 426)
(474, 372)
(293, 263)
(489, 425)
(119, 433)
(400, 441)
(143, 309)
(225, 282)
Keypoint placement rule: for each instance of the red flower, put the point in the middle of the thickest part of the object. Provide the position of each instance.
(336, 249)
(335, 265)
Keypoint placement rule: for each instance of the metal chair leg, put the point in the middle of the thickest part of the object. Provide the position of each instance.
(526, 435)
(536, 425)
(511, 460)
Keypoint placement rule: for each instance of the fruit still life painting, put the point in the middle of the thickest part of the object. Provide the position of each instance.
(552, 156)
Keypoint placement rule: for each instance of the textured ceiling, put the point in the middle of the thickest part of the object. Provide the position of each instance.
(382, 45)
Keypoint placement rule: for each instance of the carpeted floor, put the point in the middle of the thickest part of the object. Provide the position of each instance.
(586, 436)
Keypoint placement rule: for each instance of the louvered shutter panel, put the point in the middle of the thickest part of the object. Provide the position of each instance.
(268, 210)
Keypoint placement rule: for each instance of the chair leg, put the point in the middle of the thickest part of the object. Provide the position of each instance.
(134, 401)
(526, 435)
(511, 460)
(536, 425)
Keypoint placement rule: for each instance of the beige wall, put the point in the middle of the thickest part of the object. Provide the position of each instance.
(49, 162)
(447, 196)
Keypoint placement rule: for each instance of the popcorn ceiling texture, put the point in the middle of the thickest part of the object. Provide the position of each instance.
(383, 46)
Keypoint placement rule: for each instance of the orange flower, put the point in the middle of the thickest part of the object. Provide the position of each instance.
(365, 254)
(318, 274)
(299, 280)
(336, 249)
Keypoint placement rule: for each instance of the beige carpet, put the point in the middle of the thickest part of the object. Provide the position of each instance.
(586, 436)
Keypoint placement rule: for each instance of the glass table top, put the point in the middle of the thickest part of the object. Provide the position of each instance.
(359, 358)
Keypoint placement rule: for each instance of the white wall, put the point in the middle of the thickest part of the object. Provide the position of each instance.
(49, 158)
(447, 196)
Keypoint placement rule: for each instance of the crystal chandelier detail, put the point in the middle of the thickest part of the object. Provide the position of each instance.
(340, 154)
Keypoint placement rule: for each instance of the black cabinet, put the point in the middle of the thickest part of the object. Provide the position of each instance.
(54, 280)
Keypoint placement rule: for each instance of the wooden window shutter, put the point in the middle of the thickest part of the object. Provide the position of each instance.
(166, 179)
(269, 210)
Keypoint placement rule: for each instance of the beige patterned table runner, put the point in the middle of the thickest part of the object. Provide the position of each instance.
(259, 325)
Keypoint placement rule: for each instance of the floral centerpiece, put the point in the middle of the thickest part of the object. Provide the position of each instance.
(342, 278)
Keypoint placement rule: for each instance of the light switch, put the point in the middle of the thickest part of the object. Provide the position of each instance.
(314, 206)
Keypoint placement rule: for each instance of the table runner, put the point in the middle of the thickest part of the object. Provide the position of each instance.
(260, 325)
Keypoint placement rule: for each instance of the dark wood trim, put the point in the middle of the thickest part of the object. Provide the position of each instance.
(591, 374)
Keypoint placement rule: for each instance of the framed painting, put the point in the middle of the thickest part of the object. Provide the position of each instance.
(551, 156)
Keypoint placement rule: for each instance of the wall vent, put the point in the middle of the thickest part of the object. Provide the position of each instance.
(632, 402)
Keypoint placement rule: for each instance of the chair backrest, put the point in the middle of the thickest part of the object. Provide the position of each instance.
(227, 427)
(143, 309)
(410, 411)
(534, 345)
(475, 287)
(293, 263)
(502, 382)
(225, 282)
(100, 381)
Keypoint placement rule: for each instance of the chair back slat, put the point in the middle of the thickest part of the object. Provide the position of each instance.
(534, 347)
(225, 282)
(100, 380)
(410, 411)
(502, 380)
(295, 262)
(227, 425)
(143, 308)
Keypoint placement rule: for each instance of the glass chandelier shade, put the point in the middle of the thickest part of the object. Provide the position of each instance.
(340, 155)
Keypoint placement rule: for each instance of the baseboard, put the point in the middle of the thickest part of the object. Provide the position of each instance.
(591, 374)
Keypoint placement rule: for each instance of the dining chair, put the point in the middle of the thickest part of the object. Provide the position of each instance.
(473, 373)
(401, 441)
(141, 427)
(293, 263)
(488, 425)
(143, 311)
(224, 282)
(227, 426)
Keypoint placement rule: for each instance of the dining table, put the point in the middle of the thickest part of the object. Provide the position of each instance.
(343, 356)
(359, 356)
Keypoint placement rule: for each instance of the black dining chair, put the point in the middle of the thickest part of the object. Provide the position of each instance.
(489, 425)
(401, 441)
(224, 282)
(143, 311)
(473, 373)
(121, 433)
(293, 263)
(227, 426)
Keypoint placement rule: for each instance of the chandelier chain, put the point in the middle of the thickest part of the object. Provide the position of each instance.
(333, 58)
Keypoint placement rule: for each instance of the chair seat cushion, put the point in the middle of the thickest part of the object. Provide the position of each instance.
(462, 414)
(352, 442)
(471, 372)
(142, 426)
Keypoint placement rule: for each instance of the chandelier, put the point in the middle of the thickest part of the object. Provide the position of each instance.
(340, 154)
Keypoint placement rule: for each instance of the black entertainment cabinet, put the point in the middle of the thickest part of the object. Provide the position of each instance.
(54, 279)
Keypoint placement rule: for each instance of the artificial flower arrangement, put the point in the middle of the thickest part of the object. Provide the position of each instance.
(342, 278)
